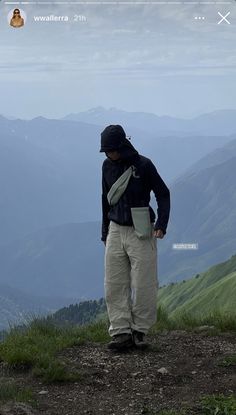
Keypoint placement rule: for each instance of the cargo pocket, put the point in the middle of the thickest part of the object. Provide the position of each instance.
(141, 222)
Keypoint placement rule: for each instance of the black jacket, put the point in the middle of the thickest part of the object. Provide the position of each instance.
(137, 194)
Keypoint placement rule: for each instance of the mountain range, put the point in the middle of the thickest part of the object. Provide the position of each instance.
(203, 212)
(43, 164)
(221, 122)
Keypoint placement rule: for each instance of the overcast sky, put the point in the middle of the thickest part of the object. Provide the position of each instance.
(152, 58)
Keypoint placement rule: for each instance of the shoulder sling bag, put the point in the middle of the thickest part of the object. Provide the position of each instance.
(140, 215)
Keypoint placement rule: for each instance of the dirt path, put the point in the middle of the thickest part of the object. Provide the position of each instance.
(129, 383)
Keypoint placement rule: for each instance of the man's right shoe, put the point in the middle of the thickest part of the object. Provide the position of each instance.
(139, 340)
(121, 342)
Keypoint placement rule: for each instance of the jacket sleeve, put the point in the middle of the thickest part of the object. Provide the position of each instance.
(105, 208)
(162, 195)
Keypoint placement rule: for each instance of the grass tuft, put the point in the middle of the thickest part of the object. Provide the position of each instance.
(54, 371)
(95, 332)
(9, 391)
(36, 347)
(228, 361)
(217, 321)
(218, 405)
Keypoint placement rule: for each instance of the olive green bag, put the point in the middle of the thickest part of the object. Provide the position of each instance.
(118, 188)
(140, 215)
(141, 221)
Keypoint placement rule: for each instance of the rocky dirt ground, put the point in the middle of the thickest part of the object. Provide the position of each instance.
(134, 382)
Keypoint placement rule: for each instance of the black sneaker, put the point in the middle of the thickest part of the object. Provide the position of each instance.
(121, 342)
(139, 340)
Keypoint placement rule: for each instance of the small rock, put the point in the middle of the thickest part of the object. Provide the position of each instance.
(135, 374)
(163, 371)
(43, 392)
(194, 372)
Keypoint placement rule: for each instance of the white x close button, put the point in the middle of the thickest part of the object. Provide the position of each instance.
(224, 18)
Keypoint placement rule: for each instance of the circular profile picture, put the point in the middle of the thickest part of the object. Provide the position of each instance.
(16, 18)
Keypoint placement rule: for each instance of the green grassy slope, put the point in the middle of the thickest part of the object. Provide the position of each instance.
(215, 288)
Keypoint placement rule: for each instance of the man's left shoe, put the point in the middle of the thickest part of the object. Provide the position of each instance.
(121, 342)
(139, 340)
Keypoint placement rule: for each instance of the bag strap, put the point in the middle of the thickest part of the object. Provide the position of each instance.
(119, 187)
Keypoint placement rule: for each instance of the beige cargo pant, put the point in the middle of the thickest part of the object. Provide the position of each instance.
(131, 282)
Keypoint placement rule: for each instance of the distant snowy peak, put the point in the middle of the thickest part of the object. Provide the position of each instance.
(220, 122)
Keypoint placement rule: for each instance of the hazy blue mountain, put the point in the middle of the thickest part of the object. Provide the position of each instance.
(217, 156)
(220, 122)
(203, 212)
(61, 261)
(17, 307)
(42, 171)
(8, 117)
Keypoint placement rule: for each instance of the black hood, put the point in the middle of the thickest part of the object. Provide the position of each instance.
(113, 138)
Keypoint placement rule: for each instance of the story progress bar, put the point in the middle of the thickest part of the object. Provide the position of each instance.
(119, 2)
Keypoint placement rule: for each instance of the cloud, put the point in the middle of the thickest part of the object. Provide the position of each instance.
(136, 46)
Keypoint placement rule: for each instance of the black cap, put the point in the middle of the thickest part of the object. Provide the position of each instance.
(112, 138)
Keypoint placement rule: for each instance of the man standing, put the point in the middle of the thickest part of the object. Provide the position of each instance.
(131, 282)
